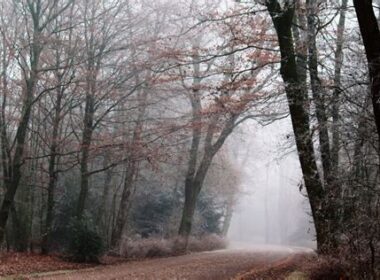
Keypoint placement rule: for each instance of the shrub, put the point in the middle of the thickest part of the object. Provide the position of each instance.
(208, 242)
(151, 216)
(85, 245)
(159, 247)
(147, 248)
(326, 268)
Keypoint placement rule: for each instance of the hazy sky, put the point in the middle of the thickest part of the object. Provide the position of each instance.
(271, 208)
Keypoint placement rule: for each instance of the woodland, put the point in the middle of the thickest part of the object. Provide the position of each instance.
(114, 116)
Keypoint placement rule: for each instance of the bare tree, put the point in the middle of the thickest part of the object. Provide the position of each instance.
(40, 15)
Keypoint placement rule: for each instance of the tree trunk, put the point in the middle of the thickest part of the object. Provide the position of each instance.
(331, 186)
(14, 165)
(19, 230)
(131, 172)
(196, 122)
(196, 173)
(227, 218)
(337, 188)
(318, 91)
(12, 181)
(194, 185)
(100, 217)
(191, 195)
(190, 191)
(337, 88)
(369, 29)
(53, 176)
(122, 215)
(297, 99)
(299, 26)
(85, 151)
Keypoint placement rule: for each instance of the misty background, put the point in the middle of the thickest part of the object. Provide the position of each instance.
(271, 208)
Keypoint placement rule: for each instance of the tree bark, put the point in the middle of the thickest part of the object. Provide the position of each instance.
(190, 188)
(94, 51)
(194, 186)
(85, 150)
(12, 181)
(332, 187)
(131, 172)
(122, 215)
(299, 26)
(196, 121)
(282, 19)
(337, 190)
(318, 91)
(197, 169)
(337, 88)
(227, 218)
(370, 32)
(100, 217)
(191, 194)
(53, 175)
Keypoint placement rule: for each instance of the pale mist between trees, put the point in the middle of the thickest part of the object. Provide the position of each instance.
(183, 124)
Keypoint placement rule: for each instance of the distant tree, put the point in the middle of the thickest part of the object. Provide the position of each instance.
(228, 104)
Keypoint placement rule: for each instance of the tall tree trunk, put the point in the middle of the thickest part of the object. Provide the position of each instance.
(93, 65)
(53, 175)
(300, 40)
(227, 217)
(337, 188)
(194, 186)
(131, 172)
(282, 19)
(13, 179)
(100, 217)
(370, 32)
(332, 187)
(353, 192)
(191, 195)
(39, 18)
(85, 151)
(122, 215)
(318, 90)
(19, 231)
(190, 188)
(337, 88)
(197, 170)
(191, 191)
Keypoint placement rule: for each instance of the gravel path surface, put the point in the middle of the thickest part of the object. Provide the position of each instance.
(217, 265)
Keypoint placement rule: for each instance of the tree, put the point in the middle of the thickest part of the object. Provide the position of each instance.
(370, 32)
(104, 80)
(41, 15)
(228, 104)
(64, 54)
(282, 18)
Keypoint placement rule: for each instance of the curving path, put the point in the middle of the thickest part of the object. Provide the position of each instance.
(218, 265)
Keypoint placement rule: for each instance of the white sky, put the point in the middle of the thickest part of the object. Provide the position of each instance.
(272, 206)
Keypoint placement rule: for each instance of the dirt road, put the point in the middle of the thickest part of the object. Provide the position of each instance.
(218, 265)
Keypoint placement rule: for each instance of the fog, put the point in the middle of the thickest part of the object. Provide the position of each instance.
(271, 208)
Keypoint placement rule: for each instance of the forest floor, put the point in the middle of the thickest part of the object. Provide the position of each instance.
(25, 263)
(218, 265)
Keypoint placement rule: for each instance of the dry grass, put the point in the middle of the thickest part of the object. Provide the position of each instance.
(207, 243)
(310, 267)
(159, 247)
(325, 268)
